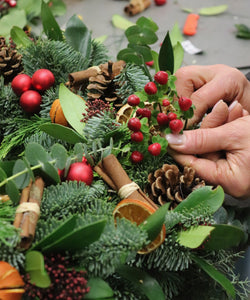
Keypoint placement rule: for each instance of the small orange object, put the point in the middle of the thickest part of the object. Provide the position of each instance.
(56, 113)
(138, 211)
(11, 282)
(191, 23)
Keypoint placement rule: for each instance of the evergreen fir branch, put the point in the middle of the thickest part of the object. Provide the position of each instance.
(59, 57)
(117, 244)
(131, 79)
(70, 197)
(13, 256)
(99, 54)
(49, 97)
(26, 127)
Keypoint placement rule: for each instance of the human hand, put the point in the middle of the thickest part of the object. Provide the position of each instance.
(206, 85)
(232, 170)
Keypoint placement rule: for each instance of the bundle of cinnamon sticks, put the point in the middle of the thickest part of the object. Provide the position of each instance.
(136, 6)
(28, 211)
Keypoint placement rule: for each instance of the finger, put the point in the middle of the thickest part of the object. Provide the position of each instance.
(218, 116)
(235, 111)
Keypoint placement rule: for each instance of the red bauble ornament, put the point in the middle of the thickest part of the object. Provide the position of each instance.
(136, 157)
(30, 101)
(80, 171)
(154, 149)
(43, 79)
(21, 83)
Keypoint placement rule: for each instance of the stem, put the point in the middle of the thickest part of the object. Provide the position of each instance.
(185, 125)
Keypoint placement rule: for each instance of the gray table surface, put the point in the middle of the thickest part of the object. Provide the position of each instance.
(215, 34)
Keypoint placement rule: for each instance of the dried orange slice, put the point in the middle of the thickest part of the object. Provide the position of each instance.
(124, 114)
(138, 211)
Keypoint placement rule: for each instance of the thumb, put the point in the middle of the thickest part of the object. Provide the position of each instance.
(199, 141)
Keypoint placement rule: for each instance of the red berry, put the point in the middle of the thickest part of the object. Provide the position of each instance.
(80, 171)
(137, 136)
(143, 112)
(21, 83)
(176, 125)
(149, 63)
(136, 157)
(160, 2)
(185, 103)
(43, 79)
(134, 124)
(150, 88)
(165, 102)
(161, 77)
(162, 119)
(154, 149)
(133, 100)
(61, 173)
(30, 101)
(12, 3)
(172, 116)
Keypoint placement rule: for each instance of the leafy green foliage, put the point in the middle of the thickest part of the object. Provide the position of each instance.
(243, 31)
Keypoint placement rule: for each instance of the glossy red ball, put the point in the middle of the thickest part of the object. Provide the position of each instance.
(160, 2)
(136, 157)
(161, 77)
(185, 103)
(154, 149)
(176, 126)
(150, 88)
(80, 171)
(43, 79)
(134, 124)
(30, 101)
(137, 136)
(133, 100)
(172, 116)
(21, 83)
(162, 119)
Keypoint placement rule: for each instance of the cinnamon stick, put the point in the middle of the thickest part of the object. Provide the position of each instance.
(28, 211)
(113, 173)
(136, 6)
(80, 78)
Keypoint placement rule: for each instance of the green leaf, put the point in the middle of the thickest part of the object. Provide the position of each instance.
(120, 22)
(101, 39)
(178, 56)
(194, 237)
(35, 154)
(58, 7)
(22, 180)
(130, 55)
(99, 289)
(213, 10)
(78, 239)
(62, 133)
(155, 56)
(50, 26)
(176, 35)
(142, 281)
(166, 55)
(78, 36)
(3, 175)
(34, 266)
(32, 8)
(153, 224)
(207, 197)
(224, 237)
(216, 275)
(148, 23)
(73, 107)
(141, 50)
(142, 36)
(59, 153)
(15, 17)
(19, 37)
(243, 31)
(51, 171)
(13, 192)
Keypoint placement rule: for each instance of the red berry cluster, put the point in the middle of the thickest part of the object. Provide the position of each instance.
(165, 114)
(65, 284)
(30, 88)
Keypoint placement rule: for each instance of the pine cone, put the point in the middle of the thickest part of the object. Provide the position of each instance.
(10, 62)
(168, 184)
(102, 86)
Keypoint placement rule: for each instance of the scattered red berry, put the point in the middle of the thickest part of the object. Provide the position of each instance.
(162, 119)
(134, 124)
(161, 77)
(165, 102)
(154, 149)
(30, 101)
(80, 171)
(136, 157)
(143, 112)
(61, 173)
(43, 79)
(150, 88)
(149, 63)
(185, 103)
(137, 136)
(133, 100)
(160, 2)
(176, 125)
(21, 83)
(172, 116)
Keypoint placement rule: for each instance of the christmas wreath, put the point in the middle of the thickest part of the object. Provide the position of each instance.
(92, 205)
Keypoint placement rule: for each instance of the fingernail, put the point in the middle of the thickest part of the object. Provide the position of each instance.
(217, 103)
(232, 105)
(176, 139)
